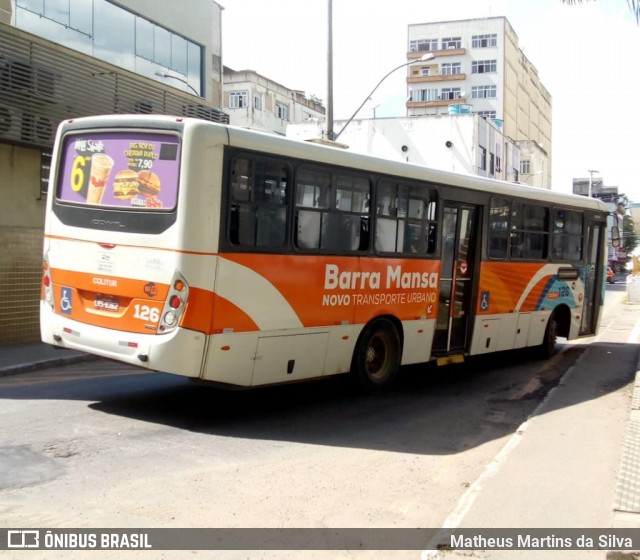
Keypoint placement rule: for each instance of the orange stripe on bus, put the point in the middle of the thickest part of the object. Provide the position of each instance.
(506, 282)
(301, 281)
(228, 316)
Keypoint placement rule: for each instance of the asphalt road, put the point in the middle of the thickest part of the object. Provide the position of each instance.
(100, 444)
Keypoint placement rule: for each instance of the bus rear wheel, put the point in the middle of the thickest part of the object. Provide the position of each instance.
(376, 361)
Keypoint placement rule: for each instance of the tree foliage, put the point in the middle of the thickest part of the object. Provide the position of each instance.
(634, 6)
(629, 238)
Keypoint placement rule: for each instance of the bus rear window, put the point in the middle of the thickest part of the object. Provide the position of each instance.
(123, 170)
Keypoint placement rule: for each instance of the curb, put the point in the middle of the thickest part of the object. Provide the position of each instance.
(46, 364)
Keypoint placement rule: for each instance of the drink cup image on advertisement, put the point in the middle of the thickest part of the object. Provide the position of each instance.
(101, 165)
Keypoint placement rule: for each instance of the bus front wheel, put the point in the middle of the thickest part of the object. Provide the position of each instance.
(376, 360)
(548, 347)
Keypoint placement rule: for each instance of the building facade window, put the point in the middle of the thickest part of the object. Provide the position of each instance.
(483, 41)
(424, 95)
(111, 33)
(449, 43)
(525, 167)
(423, 45)
(482, 155)
(487, 114)
(483, 66)
(257, 102)
(282, 111)
(450, 93)
(425, 71)
(450, 68)
(238, 99)
(483, 92)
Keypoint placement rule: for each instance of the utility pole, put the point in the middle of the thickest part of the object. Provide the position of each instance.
(329, 122)
(591, 172)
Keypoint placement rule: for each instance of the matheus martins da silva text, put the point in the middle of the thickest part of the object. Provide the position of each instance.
(523, 541)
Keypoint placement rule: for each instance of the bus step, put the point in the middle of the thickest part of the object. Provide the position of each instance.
(448, 360)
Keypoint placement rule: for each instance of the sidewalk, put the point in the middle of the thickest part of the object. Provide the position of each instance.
(575, 463)
(22, 358)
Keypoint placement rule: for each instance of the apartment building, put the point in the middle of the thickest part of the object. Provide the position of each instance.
(478, 63)
(254, 101)
(71, 58)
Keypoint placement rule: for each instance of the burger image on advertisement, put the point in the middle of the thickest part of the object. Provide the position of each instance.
(125, 185)
(149, 184)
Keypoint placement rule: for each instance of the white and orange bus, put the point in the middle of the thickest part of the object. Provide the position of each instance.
(247, 259)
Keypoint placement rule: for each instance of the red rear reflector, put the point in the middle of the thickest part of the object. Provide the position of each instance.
(107, 245)
(46, 281)
(175, 302)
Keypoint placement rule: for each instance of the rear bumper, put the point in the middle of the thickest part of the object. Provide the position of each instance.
(180, 352)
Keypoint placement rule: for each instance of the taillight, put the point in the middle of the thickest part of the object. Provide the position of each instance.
(46, 282)
(175, 304)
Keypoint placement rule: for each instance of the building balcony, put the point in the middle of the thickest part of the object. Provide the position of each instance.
(436, 78)
(437, 54)
(436, 103)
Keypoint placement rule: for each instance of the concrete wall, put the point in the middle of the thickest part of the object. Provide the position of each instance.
(6, 10)
(21, 229)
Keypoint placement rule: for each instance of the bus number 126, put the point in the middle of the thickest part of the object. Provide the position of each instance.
(146, 313)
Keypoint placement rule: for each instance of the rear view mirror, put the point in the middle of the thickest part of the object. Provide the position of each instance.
(615, 236)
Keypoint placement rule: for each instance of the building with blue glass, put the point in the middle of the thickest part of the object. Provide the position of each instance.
(61, 59)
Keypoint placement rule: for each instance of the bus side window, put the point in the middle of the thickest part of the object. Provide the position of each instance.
(312, 193)
(568, 235)
(405, 219)
(257, 210)
(499, 213)
(342, 227)
(308, 229)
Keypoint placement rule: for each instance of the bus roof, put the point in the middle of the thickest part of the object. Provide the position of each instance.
(278, 145)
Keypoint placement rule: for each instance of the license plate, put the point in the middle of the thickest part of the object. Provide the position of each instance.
(106, 303)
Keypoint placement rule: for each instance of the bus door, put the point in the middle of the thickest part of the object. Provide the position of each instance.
(457, 274)
(592, 279)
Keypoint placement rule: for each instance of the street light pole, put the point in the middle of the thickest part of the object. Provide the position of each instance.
(330, 133)
(423, 58)
(591, 172)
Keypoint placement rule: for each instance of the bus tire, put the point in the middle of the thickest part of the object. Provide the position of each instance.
(376, 360)
(548, 347)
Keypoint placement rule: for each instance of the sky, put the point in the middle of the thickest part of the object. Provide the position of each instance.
(587, 56)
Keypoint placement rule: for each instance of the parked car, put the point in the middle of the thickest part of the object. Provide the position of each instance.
(611, 276)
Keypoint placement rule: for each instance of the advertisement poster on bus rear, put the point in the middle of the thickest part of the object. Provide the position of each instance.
(120, 170)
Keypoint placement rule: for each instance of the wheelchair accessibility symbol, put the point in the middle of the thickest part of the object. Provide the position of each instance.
(65, 301)
(484, 301)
